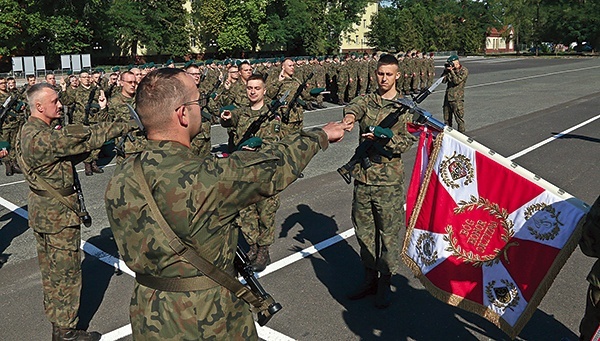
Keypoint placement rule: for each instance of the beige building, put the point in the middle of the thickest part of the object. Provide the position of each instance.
(355, 39)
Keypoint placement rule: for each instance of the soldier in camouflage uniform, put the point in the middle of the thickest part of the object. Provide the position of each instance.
(288, 82)
(199, 198)
(119, 112)
(235, 94)
(257, 221)
(454, 99)
(363, 74)
(378, 202)
(13, 120)
(201, 145)
(79, 98)
(342, 81)
(46, 155)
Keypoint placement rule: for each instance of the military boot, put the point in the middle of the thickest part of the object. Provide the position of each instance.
(262, 259)
(252, 252)
(383, 298)
(368, 287)
(9, 169)
(88, 168)
(67, 334)
(15, 168)
(96, 169)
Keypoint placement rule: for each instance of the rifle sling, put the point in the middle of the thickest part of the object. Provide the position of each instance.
(216, 274)
(49, 191)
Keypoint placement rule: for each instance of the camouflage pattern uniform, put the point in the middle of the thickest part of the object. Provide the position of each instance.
(79, 99)
(363, 76)
(296, 119)
(199, 199)
(200, 144)
(49, 152)
(258, 221)
(378, 202)
(590, 246)
(454, 99)
(119, 112)
(352, 67)
(236, 95)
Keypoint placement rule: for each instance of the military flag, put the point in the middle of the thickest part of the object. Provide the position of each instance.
(487, 235)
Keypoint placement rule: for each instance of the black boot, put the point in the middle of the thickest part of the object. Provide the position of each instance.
(252, 252)
(262, 259)
(15, 168)
(96, 169)
(368, 287)
(88, 168)
(67, 334)
(9, 169)
(383, 298)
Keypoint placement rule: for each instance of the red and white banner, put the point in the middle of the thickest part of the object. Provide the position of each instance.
(487, 235)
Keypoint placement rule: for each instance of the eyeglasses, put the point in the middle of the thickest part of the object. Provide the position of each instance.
(197, 101)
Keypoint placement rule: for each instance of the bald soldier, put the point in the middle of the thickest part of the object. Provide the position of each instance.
(199, 198)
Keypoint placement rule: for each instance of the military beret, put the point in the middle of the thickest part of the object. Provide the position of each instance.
(201, 63)
(253, 142)
(116, 69)
(316, 91)
(150, 65)
(70, 72)
(209, 61)
(129, 67)
(5, 145)
(169, 62)
(452, 58)
(189, 63)
(238, 62)
(227, 108)
(99, 69)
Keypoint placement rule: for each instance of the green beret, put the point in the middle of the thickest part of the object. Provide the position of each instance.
(189, 63)
(253, 142)
(209, 61)
(316, 91)
(150, 65)
(116, 69)
(227, 108)
(70, 72)
(5, 145)
(452, 58)
(99, 69)
(238, 62)
(129, 67)
(169, 62)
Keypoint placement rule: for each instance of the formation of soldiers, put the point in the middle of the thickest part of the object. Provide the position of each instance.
(92, 96)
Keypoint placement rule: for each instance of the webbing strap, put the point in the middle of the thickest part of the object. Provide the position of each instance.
(210, 270)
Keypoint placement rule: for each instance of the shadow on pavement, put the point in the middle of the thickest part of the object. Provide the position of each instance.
(11, 230)
(96, 277)
(414, 314)
(579, 137)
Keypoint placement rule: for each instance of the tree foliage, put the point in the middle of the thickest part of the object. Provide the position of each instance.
(236, 27)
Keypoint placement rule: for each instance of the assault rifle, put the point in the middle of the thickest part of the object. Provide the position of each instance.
(119, 147)
(88, 106)
(6, 107)
(286, 115)
(266, 117)
(361, 154)
(84, 216)
(244, 268)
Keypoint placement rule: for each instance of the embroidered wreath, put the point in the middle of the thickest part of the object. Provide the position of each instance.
(550, 235)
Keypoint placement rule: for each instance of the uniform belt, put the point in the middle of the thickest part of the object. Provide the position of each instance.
(65, 192)
(383, 159)
(176, 284)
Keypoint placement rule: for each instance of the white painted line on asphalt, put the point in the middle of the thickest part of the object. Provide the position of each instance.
(550, 139)
(105, 257)
(531, 77)
(14, 208)
(12, 183)
(305, 253)
(271, 335)
(117, 334)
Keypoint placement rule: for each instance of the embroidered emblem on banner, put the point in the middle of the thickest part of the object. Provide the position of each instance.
(542, 221)
(456, 167)
(481, 234)
(504, 296)
(426, 249)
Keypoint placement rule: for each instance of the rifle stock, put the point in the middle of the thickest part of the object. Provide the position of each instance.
(244, 268)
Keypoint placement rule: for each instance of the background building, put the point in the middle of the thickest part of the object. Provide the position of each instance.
(355, 40)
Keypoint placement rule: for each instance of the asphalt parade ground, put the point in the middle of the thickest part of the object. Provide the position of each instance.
(542, 113)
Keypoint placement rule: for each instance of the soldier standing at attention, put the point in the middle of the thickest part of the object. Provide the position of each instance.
(88, 94)
(46, 156)
(378, 202)
(199, 199)
(285, 82)
(257, 221)
(201, 143)
(454, 99)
